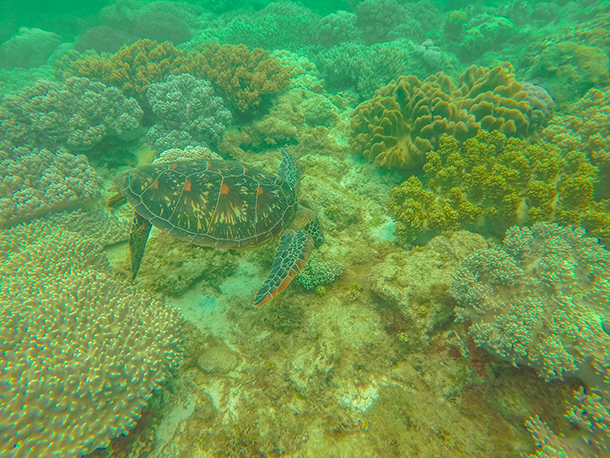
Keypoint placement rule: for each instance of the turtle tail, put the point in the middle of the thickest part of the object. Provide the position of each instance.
(140, 228)
(292, 255)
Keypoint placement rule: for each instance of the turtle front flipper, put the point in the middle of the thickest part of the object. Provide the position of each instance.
(292, 254)
(140, 228)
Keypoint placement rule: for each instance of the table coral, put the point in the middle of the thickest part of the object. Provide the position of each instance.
(78, 115)
(490, 182)
(188, 113)
(35, 182)
(406, 118)
(82, 352)
(245, 76)
(131, 69)
(540, 299)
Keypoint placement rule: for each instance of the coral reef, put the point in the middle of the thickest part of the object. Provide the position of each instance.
(384, 20)
(590, 411)
(469, 39)
(78, 345)
(586, 129)
(35, 182)
(131, 69)
(365, 68)
(77, 115)
(567, 68)
(540, 299)
(245, 76)
(317, 273)
(337, 28)
(159, 21)
(491, 182)
(280, 25)
(30, 48)
(406, 118)
(188, 113)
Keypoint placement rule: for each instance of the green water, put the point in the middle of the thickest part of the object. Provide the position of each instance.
(338, 229)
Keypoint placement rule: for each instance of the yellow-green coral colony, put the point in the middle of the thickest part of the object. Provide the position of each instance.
(407, 117)
(490, 182)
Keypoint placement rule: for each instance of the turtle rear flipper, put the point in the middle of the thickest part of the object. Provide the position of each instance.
(140, 228)
(292, 255)
(116, 201)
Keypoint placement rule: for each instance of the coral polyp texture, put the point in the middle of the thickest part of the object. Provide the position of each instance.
(490, 182)
(77, 114)
(35, 182)
(590, 411)
(245, 75)
(188, 113)
(82, 352)
(540, 299)
(406, 118)
(132, 68)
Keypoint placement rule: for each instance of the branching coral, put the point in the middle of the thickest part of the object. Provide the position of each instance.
(244, 75)
(540, 299)
(188, 113)
(77, 114)
(318, 272)
(337, 28)
(131, 69)
(82, 352)
(406, 118)
(591, 412)
(35, 182)
(383, 20)
(491, 182)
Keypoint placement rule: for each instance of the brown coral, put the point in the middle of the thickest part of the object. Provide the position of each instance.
(406, 118)
(244, 75)
(132, 68)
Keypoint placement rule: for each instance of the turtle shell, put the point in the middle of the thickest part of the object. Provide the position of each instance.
(222, 204)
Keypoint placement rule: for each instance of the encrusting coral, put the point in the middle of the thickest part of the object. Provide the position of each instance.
(491, 182)
(188, 113)
(406, 118)
(82, 352)
(77, 115)
(245, 76)
(540, 299)
(35, 182)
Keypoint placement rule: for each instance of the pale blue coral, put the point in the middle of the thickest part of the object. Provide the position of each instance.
(317, 273)
(78, 115)
(540, 299)
(188, 113)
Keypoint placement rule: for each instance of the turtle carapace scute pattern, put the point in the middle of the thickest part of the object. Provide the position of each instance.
(223, 204)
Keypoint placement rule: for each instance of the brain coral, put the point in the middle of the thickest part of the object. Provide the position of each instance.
(77, 114)
(405, 118)
(188, 113)
(82, 352)
(131, 68)
(490, 182)
(245, 76)
(540, 299)
(35, 182)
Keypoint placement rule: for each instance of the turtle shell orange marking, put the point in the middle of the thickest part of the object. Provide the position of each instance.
(173, 166)
(155, 184)
(259, 191)
(187, 185)
(245, 169)
(224, 189)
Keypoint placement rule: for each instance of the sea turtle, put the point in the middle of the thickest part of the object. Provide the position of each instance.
(224, 204)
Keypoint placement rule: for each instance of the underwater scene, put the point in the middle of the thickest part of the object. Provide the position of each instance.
(327, 229)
